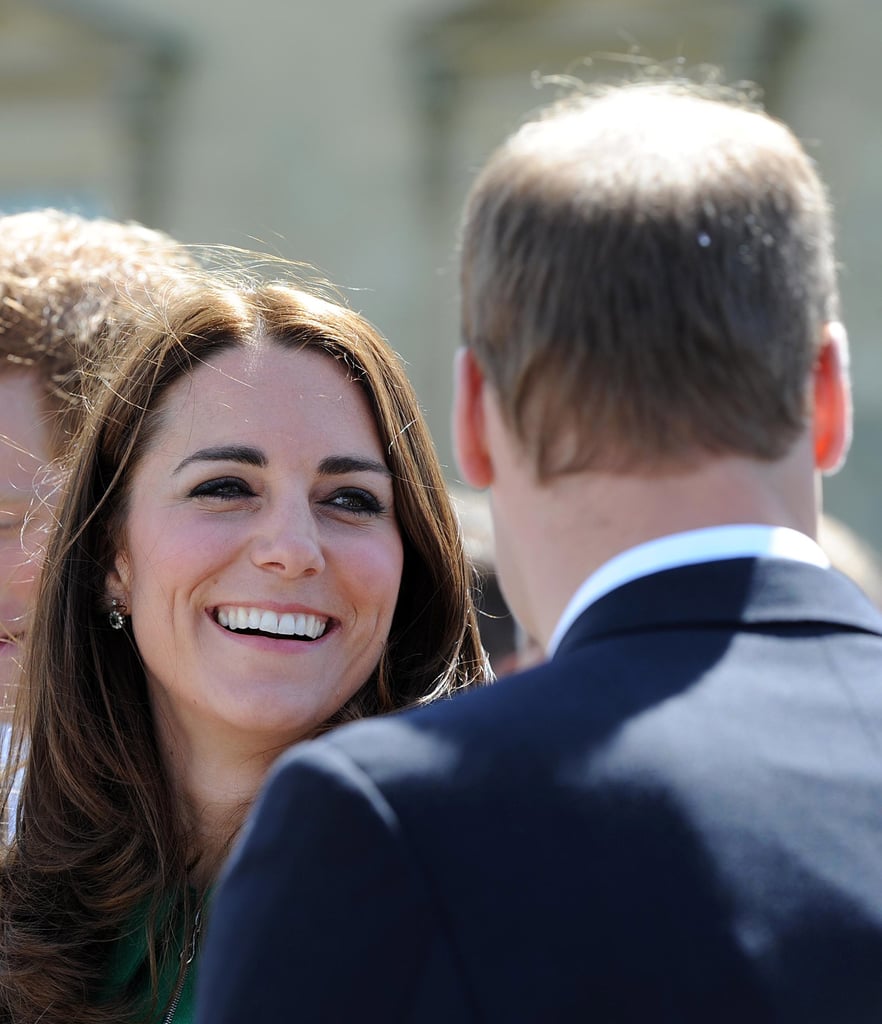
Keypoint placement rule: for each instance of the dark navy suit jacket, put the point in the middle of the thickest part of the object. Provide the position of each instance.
(677, 819)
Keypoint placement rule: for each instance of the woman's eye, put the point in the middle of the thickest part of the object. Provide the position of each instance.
(226, 488)
(354, 499)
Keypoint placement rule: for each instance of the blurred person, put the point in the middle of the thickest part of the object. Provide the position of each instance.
(499, 631)
(676, 817)
(851, 554)
(507, 644)
(65, 281)
(254, 544)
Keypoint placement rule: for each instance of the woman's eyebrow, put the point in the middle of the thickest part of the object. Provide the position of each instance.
(337, 465)
(225, 453)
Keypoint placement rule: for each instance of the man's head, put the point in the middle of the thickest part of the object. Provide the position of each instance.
(68, 286)
(646, 276)
(650, 324)
(67, 283)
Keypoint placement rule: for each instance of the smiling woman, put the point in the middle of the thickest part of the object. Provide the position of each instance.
(263, 496)
(255, 545)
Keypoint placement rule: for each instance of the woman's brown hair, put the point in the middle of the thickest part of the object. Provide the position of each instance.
(98, 838)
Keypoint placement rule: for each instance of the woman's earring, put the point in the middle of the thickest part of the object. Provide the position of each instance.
(117, 615)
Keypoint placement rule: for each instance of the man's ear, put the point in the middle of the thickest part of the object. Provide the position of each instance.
(832, 399)
(469, 421)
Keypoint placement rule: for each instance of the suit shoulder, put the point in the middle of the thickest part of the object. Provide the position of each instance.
(378, 761)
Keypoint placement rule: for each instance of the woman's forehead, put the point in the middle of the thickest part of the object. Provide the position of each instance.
(268, 393)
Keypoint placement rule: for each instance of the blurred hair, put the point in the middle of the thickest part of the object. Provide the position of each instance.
(66, 284)
(646, 270)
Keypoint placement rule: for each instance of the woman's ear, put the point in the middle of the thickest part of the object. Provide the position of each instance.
(469, 421)
(117, 581)
(832, 399)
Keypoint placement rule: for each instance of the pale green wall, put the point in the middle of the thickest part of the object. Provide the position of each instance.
(345, 132)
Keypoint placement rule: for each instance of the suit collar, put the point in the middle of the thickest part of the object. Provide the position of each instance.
(670, 551)
(734, 593)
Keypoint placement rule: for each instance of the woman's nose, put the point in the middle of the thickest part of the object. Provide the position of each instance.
(289, 543)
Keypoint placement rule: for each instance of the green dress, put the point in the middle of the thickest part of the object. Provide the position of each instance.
(129, 967)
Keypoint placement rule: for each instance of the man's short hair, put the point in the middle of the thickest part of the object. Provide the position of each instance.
(646, 272)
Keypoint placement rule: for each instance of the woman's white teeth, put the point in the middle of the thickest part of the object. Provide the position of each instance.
(286, 624)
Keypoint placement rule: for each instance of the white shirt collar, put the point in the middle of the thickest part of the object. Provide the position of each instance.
(712, 544)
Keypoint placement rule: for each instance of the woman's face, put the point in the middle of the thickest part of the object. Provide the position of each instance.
(261, 555)
(25, 448)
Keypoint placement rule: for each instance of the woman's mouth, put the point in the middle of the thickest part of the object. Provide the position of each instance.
(263, 622)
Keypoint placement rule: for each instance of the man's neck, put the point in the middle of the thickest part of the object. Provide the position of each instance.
(563, 531)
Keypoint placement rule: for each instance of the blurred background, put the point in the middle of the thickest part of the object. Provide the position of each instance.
(344, 133)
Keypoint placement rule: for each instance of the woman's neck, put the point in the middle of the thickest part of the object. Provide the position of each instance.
(215, 780)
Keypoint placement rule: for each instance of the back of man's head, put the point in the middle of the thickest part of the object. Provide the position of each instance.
(646, 273)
